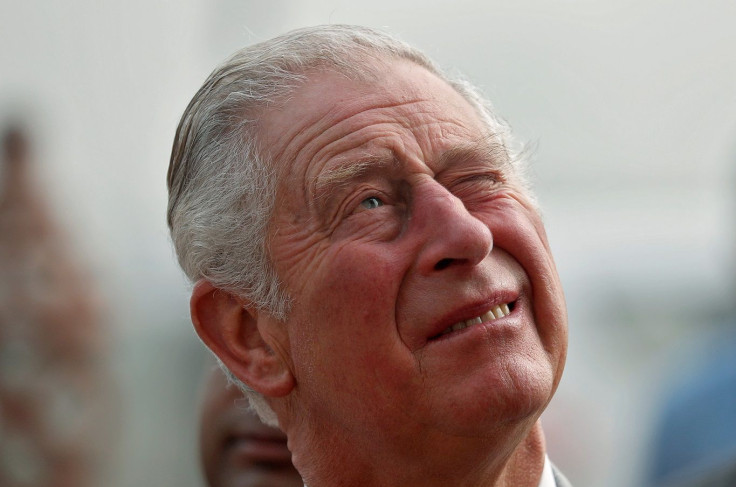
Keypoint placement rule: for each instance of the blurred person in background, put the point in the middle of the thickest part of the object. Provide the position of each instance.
(695, 436)
(236, 448)
(57, 411)
(694, 441)
(370, 261)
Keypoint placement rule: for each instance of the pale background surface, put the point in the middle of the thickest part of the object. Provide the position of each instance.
(632, 106)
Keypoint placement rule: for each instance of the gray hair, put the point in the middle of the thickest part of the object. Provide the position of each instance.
(221, 185)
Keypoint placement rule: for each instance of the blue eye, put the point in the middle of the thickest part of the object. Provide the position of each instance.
(371, 203)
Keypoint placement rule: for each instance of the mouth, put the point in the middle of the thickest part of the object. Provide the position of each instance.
(496, 312)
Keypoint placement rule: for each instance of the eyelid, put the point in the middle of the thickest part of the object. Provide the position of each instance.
(485, 175)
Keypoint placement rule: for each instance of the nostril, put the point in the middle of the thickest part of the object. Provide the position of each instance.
(443, 264)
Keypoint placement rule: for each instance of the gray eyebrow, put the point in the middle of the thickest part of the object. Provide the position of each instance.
(487, 149)
(331, 180)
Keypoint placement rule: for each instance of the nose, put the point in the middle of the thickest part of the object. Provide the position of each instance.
(451, 235)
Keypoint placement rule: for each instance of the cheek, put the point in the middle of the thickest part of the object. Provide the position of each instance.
(518, 229)
(345, 339)
(349, 299)
(361, 284)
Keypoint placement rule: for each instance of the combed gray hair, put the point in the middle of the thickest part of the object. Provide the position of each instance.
(221, 185)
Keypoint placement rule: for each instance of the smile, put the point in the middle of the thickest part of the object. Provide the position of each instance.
(498, 311)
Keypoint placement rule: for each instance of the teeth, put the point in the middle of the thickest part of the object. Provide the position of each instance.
(495, 313)
(488, 316)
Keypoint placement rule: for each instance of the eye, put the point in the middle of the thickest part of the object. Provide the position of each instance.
(371, 203)
(478, 183)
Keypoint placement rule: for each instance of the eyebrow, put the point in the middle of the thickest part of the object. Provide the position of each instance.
(487, 149)
(331, 180)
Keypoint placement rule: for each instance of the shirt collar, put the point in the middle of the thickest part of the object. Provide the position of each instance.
(548, 478)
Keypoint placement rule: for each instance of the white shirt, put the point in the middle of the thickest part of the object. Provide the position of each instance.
(548, 478)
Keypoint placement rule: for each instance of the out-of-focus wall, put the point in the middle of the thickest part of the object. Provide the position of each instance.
(631, 108)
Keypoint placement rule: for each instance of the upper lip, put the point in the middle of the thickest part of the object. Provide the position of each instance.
(472, 310)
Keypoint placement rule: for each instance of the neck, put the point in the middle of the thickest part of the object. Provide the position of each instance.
(469, 462)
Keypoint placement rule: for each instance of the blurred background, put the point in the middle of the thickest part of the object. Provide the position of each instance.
(631, 109)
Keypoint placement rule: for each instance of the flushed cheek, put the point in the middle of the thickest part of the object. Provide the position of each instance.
(357, 283)
(519, 231)
(350, 309)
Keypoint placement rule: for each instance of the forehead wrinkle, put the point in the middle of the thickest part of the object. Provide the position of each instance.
(299, 145)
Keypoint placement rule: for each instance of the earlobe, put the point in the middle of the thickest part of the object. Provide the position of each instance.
(234, 332)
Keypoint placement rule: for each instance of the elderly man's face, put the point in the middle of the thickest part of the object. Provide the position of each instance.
(398, 232)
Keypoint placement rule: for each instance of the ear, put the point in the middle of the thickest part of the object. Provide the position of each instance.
(234, 333)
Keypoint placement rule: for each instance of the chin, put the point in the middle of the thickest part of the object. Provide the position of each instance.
(513, 396)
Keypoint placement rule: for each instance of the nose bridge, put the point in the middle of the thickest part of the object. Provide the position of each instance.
(450, 234)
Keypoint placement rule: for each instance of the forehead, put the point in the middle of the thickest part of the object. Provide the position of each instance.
(399, 111)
